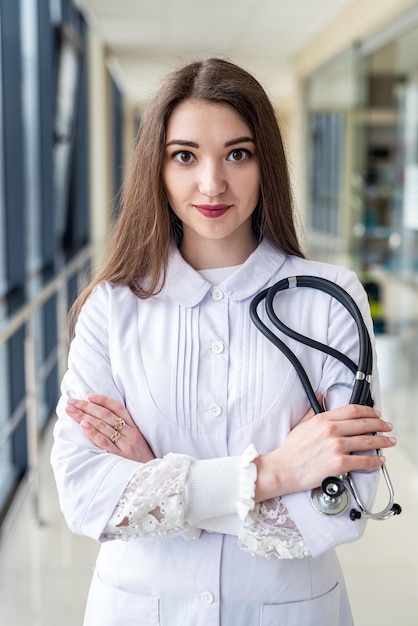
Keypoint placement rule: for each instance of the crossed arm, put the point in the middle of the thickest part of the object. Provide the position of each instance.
(319, 446)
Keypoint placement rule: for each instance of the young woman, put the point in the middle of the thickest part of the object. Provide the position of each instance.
(184, 441)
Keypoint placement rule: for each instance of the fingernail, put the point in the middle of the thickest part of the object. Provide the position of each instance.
(382, 459)
(85, 425)
(393, 440)
(390, 425)
(72, 401)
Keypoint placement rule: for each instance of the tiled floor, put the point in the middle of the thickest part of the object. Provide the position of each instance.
(45, 571)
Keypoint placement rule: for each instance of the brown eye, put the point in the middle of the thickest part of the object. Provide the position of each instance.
(184, 157)
(239, 155)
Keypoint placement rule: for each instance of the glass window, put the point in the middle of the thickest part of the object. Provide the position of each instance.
(387, 166)
(6, 465)
(379, 188)
(12, 254)
(326, 141)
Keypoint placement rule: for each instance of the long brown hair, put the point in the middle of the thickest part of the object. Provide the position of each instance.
(147, 225)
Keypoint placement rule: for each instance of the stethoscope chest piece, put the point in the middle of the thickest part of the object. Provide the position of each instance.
(331, 498)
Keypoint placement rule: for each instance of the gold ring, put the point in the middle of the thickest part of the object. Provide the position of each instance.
(115, 436)
(119, 424)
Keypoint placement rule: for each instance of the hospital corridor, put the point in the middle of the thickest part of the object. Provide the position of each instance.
(76, 77)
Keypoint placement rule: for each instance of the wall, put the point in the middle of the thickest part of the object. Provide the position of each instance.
(359, 21)
(100, 149)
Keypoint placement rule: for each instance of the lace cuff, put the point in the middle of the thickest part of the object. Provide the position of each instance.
(273, 532)
(153, 502)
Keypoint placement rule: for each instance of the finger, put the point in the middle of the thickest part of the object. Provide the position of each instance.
(74, 413)
(95, 416)
(100, 439)
(83, 407)
(351, 411)
(105, 429)
(99, 421)
(368, 443)
(113, 406)
(358, 463)
(135, 449)
(353, 427)
(90, 409)
(80, 409)
(344, 463)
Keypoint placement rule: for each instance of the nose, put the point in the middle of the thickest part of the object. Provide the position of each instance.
(212, 181)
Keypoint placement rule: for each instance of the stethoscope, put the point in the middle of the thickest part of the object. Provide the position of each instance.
(332, 497)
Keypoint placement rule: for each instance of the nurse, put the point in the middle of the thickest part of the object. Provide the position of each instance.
(184, 443)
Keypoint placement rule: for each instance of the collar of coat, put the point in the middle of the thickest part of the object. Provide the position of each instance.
(187, 287)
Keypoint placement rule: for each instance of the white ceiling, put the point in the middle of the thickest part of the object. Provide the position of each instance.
(148, 38)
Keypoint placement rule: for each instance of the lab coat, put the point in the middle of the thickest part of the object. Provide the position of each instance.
(200, 379)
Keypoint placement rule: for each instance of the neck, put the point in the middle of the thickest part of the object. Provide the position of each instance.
(217, 253)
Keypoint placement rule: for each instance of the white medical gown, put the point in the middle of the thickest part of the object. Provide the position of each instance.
(204, 386)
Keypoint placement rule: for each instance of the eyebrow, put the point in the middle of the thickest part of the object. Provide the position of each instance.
(193, 144)
(239, 140)
(182, 142)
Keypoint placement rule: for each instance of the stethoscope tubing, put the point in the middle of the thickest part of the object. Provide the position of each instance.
(362, 372)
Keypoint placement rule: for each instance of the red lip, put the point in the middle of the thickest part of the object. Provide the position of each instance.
(212, 210)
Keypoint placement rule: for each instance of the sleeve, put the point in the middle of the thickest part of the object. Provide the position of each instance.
(180, 495)
(89, 480)
(103, 495)
(321, 532)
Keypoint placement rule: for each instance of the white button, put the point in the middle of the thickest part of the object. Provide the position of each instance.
(218, 347)
(207, 597)
(215, 410)
(217, 294)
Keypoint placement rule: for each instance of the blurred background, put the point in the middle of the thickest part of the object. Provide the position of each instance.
(75, 76)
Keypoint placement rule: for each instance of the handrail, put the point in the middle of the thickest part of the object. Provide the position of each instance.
(16, 321)
(33, 376)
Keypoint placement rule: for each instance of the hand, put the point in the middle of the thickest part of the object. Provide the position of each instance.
(98, 416)
(320, 446)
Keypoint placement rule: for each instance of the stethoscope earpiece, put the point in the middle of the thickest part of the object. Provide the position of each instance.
(354, 514)
(397, 509)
